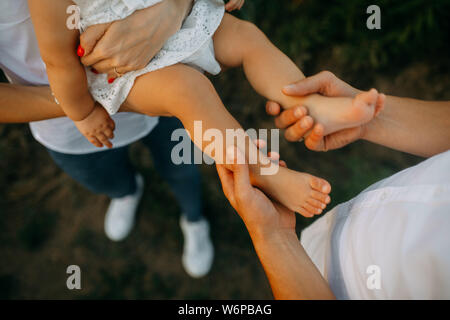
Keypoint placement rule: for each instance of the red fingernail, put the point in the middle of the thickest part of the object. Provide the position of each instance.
(94, 71)
(111, 80)
(80, 51)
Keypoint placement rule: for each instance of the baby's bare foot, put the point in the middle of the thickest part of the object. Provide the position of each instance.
(340, 113)
(300, 192)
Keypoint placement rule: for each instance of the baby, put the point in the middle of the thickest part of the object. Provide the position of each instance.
(173, 84)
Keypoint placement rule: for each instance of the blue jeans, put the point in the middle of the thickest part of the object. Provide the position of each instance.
(110, 172)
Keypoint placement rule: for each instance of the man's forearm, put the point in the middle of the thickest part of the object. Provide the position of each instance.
(413, 126)
(291, 273)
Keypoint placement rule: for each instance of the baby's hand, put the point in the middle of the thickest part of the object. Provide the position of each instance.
(234, 4)
(97, 127)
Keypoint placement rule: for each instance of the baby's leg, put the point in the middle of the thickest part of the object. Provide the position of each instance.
(185, 93)
(239, 42)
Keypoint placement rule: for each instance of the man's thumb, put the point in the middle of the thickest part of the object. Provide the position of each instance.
(308, 85)
(240, 171)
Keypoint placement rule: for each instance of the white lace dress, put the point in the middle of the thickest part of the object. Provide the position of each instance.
(191, 45)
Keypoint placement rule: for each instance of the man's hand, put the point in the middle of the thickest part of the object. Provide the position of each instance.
(261, 216)
(326, 84)
(131, 43)
(97, 127)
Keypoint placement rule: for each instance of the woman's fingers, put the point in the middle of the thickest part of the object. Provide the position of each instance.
(89, 38)
(232, 5)
(104, 66)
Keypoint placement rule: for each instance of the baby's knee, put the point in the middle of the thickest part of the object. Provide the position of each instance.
(184, 88)
(190, 83)
(244, 29)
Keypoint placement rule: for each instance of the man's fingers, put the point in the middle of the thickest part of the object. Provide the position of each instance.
(241, 174)
(274, 156)
(380, 104)
(273, 108)
(315, 140)
(260, 143)
(290, 116)
(299, 129)
(313, 84)
(227, 181)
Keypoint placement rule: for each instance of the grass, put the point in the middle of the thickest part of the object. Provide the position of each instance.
(49, 222)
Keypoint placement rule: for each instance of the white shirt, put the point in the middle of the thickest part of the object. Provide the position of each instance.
(20, 60)
(396, 234)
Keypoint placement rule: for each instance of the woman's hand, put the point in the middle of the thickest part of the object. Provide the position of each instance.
(261, 216)
(234, 5)
(129, 44)
(326, 84)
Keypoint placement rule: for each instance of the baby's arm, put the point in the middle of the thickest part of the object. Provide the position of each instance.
(67, 77)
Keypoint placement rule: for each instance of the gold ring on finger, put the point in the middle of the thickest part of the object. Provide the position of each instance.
(118, 74)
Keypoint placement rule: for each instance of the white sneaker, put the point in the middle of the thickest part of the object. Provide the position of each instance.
(119, 219)
(198, 250)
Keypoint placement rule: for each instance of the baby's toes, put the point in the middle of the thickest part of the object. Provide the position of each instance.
(311, 209)
(320, 185)
(320, 196)
(316, 203)
(305, 212)
(367, 98)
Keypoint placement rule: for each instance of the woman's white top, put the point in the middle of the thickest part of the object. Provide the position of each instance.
(21, 61)
(392, 241)
(192, 44)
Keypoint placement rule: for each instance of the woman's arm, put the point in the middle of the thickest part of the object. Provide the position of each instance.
(57, 45)
(20, 104)
(291, 273)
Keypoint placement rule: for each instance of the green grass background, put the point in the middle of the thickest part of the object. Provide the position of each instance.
(48, 221)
